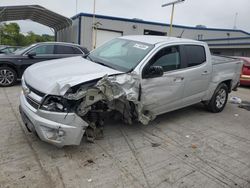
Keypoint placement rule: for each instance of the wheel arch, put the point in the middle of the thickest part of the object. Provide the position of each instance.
(10, 65)
(212, 103)
(228, 84)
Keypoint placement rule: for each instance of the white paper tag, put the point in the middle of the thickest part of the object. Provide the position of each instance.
(141, 46)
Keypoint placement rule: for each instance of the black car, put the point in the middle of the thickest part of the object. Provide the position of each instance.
(12, 65)
(8, 49)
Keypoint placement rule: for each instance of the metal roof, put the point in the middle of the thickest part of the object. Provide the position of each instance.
(156, 23)
(35, 13)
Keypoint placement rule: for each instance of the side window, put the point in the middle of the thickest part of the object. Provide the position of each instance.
(60, 49)
(85, 50)
(43, 50)
(196, 55)
(77, 51)
(168, 58)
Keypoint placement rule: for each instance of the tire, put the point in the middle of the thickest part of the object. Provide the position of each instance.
(8, 76)
(219, 100)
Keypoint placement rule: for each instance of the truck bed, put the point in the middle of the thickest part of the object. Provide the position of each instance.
(223, 59)
(226, 67)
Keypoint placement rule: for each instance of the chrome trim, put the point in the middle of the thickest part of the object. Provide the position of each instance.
(38, 45)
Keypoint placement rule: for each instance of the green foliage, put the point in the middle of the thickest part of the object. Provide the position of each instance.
(10, 35)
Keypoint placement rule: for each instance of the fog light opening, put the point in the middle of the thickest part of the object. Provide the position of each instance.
(53, 134)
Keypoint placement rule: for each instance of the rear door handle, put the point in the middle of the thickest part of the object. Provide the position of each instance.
(204, 73)
(178, 79)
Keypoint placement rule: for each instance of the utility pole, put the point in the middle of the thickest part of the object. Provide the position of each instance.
(235, 21)
(0, 32)
(94, 29)
(172, 13)
(1, 25)
(76, 7)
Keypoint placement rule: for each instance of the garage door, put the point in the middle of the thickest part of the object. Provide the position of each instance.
(104, 36)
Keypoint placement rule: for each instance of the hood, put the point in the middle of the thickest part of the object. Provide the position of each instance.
(55, 77)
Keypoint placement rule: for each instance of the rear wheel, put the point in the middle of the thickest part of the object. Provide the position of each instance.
(8, 76)
(219, 99)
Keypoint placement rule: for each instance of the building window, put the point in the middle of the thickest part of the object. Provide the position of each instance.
(151, 32)
(200, 37)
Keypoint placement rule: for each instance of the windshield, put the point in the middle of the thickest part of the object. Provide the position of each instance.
(120, 54)
(21, 50)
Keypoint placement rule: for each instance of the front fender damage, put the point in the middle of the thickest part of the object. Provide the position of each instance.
(112, 95)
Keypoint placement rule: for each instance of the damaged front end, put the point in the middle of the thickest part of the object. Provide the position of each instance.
(63, 119)
(97, 100)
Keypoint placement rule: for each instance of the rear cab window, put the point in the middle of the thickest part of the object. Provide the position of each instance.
(195, 55)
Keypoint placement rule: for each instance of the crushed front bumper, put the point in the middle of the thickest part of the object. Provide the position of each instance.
(59, 129)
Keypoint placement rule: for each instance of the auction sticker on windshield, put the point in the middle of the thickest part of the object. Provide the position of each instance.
(141, 46)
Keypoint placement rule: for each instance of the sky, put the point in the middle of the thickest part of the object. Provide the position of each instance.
(211, 13)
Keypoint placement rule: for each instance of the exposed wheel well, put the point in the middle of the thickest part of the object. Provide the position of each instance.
(229, 85)
(10, 66)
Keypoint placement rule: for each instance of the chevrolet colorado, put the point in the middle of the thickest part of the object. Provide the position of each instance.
(134, 77)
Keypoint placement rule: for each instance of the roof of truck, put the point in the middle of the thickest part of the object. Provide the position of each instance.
(151, 39)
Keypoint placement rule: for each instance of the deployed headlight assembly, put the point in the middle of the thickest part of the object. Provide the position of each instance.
(55, 104)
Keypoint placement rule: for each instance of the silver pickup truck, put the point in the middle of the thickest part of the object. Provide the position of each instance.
(134, 78)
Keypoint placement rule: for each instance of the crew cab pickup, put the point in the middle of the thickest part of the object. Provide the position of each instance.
(135, 78)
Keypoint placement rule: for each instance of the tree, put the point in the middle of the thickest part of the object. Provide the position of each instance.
(10, 35)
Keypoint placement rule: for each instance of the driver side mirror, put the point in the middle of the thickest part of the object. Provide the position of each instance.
(153, 71)
(31, 54)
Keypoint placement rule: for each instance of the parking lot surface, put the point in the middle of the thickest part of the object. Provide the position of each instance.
(186, 148)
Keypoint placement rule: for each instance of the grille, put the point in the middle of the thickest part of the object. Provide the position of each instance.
(33, 103)
(39, 93)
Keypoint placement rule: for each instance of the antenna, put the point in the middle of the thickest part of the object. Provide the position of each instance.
(76, 6)
(182, 33)
(235, 20)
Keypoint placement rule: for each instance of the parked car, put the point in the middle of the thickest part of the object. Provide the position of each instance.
(2, 46)
(137, 77)
(245, 75)
(8, 49)
(13, 65)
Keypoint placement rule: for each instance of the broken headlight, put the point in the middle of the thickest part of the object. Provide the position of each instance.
(55, 104)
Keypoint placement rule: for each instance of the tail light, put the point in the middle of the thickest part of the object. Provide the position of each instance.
(247, 64)
(246, 67)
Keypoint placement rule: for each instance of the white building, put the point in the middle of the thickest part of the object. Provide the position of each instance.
(221, 41)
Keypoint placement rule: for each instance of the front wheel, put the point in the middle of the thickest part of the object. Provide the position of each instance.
(219, 99)
(8, 76)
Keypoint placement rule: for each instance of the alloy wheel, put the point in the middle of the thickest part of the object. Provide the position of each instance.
(221, 98)
(6, 77)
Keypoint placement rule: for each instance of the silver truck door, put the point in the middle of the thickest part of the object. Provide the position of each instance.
(163, 93)
(197, 73)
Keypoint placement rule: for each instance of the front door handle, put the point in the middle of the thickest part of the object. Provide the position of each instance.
(204, 73)
(178, 79)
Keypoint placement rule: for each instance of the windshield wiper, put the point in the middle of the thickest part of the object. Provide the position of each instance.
(88, 57)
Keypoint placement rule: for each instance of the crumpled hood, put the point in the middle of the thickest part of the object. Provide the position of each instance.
(57, 76)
